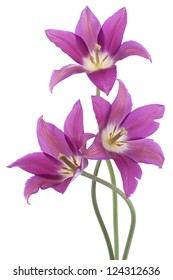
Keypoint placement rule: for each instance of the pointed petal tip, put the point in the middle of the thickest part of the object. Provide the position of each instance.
(46, 30)
(147, 56)
(27, 200)
(86, 8)
(63, 73)
(112, 32)
(27, 197)
(88, 28)
(104, 79)
(123, 10)
(130, 48)
(51, 88)
(161, 161)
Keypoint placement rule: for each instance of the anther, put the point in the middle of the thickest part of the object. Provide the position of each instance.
(67, 162)
(118, 135)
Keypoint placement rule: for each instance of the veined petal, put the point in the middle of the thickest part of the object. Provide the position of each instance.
(38, 164)
(102, 110)
(88, 28)
(85, 138)
(112, 31)
(104, 79)
(130, 172)
(121, 106)
(63, 73)
(35, 183)
(140, 122)
(131, 48)
(61, 188)
(69, 43)
(73, 126)
(51, 139)
(96, 150)
(145, 151)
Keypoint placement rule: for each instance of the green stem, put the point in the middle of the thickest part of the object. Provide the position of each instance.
(115, 211)
(129, 203)
(98, 91)
(130, 235)
(98, 215)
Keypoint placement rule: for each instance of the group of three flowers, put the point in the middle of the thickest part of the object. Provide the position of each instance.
(122, 132)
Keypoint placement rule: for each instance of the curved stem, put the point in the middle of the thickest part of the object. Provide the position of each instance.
(115, 211)
(95, 205)
(98, 215)
(98, 91)
(130, 235)
(129, 203)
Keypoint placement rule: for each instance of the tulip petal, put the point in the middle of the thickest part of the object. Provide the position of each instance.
(73, 127)
(130, 172)
(63, 73)
(131, 48)
(112, 31)
(121, 106)
(88, 28)
(61, 188)
(104, 79)
(96, 150)
(69, 43)
(51, 139)
(35, 183)
(140, 122)
(102, 110)
(38, 164)
(145, 151)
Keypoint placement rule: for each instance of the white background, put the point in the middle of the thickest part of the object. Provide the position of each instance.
(60, 230)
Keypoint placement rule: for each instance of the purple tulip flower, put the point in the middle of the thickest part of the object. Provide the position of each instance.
(61, 158)
(95, 48)
(122, 136)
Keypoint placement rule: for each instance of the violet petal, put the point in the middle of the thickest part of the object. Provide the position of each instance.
(73, 126)
(33, 185)
(69, 43)
(51, 139)
(121, 106)
(104, 79)
(145, 151)
(102, 110)
(131, 48)
(63, 73)
(140, 122)
(61, 187)
(88, 28)
(112, 31)
(38, 164)
(96, 150)
(130, 172)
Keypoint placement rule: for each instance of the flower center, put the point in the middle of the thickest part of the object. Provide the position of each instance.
(114, 139)
(97, 60)
(69, 166)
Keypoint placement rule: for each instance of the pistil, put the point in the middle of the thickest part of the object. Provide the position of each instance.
(97, 60)
(97, 49)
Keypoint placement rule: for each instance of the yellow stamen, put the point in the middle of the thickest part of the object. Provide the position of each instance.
(67, 162)
(117, 136)
(74, 161)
